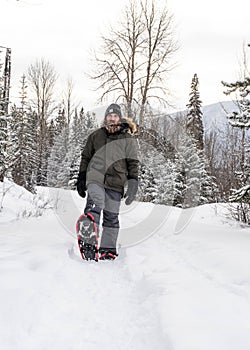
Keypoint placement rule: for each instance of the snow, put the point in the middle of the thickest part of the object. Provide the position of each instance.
(185, 286)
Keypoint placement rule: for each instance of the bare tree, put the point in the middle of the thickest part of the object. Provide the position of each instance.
(42, 78)
(134, 61)
(68, 99)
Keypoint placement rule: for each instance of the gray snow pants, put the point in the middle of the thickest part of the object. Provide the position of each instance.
(108, 202)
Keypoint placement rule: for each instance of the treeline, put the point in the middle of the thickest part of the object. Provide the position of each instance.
(180, 163)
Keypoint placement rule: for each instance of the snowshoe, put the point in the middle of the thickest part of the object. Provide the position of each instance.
(87, 236)
(107, 253)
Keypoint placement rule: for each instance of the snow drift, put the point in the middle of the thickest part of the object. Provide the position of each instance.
(182, 291)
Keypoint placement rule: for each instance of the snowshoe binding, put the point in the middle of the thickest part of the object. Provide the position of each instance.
(107, 253)
(87, 236)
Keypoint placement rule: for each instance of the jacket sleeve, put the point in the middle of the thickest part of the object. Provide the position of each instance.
(132, 158)
(87, 154)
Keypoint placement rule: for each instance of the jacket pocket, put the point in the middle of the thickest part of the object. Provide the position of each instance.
(116, 178)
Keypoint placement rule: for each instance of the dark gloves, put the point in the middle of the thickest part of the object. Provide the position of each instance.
(81, 184)
(131, 191)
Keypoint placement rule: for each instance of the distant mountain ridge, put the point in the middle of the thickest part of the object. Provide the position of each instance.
(214, 115)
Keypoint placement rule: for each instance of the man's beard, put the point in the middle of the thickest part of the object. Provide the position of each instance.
(112, 127)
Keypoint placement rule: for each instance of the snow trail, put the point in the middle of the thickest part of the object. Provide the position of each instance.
(54, 300)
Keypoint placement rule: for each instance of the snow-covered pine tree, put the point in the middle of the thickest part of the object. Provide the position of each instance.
(192, 178)
(3, 129)
(31, 146)
(194, 114)
(22, 150)
(58, 163)
(88, 120)
(165, 182)
(156, 176)
(82, 125)
(51, 133)
(64, 160)
(147, 187)
(241, 119)
(76, 146)
(195, 134)
(179, 184)
(156, 172)
(60, 121)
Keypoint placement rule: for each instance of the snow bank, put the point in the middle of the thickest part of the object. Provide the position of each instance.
(173, 289)
(16, 202)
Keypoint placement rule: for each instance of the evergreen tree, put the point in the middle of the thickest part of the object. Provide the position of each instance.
(60, 121)
(22, 151)
(240, 119)
(82, 126)
(156, 176)
(192, 180)
(165, 181)
(51, 133)
(76, 142)
(194, 114)
(3, 129)
(58, 162)
(65, 156)
(147, 186)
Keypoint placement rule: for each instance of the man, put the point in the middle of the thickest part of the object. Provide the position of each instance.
(109, 162)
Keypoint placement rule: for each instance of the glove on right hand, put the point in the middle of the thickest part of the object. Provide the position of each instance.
(81, 184)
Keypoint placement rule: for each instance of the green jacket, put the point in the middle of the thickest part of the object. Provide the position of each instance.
(110, 159)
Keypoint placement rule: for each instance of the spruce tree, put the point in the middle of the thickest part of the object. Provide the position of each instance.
(156, 176)
(65, 156)
(240, 119)
(165, 181)
(192, 180)
(22, 150)
(83, 125)
(60, 121)
(147, 186)
(194, 114)
(58, 162)
(3, 130)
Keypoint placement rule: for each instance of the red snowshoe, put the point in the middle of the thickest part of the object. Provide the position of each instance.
(87, 236)
(107, 253)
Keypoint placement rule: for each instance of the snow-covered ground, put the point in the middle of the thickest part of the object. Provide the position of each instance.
(183, 286)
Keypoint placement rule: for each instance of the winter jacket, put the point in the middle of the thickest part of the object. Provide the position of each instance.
(110, 159)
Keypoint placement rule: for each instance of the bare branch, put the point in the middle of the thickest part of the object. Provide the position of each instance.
(135, 58)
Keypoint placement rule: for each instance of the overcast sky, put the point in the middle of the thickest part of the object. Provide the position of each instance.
(210, 33)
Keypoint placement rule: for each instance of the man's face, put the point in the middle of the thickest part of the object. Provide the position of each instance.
(112, 119)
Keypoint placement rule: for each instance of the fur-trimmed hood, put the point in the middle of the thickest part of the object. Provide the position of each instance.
(128, 125)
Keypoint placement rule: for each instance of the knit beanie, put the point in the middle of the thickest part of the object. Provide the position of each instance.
(114, 108)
